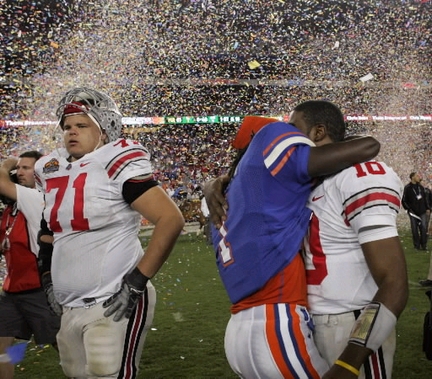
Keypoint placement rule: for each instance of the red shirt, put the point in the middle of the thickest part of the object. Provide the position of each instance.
(21, 263)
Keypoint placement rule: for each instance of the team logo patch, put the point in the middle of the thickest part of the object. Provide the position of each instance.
(52, 166)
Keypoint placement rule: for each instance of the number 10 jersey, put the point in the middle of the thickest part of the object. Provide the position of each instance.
(358, 198)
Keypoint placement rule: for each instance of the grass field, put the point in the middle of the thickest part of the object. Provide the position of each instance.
(186, 340)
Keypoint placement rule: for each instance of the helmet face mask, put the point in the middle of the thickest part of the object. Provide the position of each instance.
(97, 105)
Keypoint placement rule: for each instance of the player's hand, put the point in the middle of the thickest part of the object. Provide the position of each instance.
(216, 202)
(47, 285)
(124, 301)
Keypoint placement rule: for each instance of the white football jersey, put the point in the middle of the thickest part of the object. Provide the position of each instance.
(95, 231)
(364, 195)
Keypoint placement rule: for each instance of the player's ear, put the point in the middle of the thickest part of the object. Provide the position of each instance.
(105, 138)
(318, 133)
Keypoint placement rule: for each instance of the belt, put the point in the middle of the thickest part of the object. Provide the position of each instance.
(89, 302)
(331, 318)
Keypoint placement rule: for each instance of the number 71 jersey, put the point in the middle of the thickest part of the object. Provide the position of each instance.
(87, 193)
(362, 196)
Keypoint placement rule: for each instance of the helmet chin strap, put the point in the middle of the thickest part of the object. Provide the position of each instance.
(100, 142)
(102, 132)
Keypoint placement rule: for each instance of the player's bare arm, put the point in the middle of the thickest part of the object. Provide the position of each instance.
(7, 186)
(349, 363)
(156, 206)
(386, 261)
(160, 210)
(331, 158)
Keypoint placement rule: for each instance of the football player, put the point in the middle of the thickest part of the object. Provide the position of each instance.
(96, 189)
(356, 271)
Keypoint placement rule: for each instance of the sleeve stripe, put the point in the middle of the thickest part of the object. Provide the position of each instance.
(375, 197)
(116, 166)
(277, 148)
(282, 162)
(278, 138)
(142, 178)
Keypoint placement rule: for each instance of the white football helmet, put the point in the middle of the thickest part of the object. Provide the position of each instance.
(97, 105)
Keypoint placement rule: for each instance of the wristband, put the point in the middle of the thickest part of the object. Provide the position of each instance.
(137, 280)
(347, 366)
(373, 326)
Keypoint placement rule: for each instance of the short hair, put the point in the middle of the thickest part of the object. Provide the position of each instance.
(31, 154)
(412, 175)
(324, 112)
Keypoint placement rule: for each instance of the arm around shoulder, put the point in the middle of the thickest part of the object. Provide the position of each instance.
(333, 157)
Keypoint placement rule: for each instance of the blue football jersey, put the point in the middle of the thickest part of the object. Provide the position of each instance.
(267, 216)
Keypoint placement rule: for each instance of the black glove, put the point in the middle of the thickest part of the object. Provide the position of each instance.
(124, 301)
(47, 285)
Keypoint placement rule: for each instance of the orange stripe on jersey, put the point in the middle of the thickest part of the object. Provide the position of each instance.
(122, 160)
(278, 138)
(288, 286)
(282, 162)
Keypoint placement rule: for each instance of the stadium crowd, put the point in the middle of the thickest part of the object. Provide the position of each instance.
(202, 57)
